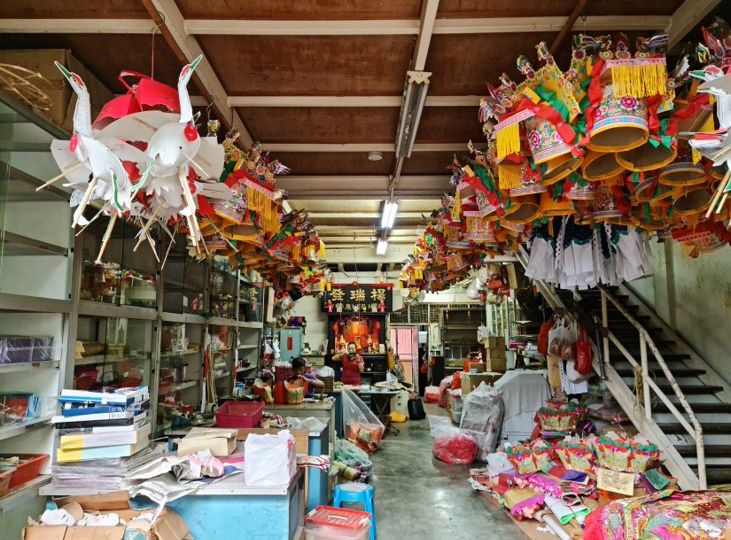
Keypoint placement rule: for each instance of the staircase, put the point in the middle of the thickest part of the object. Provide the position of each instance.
(702, 390)
(682, 405)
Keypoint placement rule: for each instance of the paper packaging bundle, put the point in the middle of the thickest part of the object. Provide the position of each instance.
(630, 454)
(269, 460)
(220, 441)
(576, 453)
(168, 525)
(531, 456)
(560, 416)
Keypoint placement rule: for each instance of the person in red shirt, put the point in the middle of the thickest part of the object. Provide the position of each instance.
(353, 365)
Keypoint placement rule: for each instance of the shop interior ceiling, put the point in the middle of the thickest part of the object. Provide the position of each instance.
(320, 82)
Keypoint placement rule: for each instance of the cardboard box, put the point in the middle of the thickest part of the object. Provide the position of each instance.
(496, 361)
(301, 438)
(168, 526)
(220, 441)
(494, 342)
(470, 381)
(63, 98)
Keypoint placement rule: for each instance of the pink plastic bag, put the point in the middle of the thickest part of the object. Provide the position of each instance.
(459, 449)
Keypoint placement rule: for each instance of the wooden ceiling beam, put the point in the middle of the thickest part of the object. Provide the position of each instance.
(494, 25)
(426, 29)
(167, 15)
(687, 17)
(364, 147)
(341, 101)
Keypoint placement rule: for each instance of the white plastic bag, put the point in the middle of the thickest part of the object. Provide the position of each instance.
(400, 402)
(482, 416)
(269, 460)
(360, 424)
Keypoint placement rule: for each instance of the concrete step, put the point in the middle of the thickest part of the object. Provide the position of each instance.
(715, 428)
(657, 371)
(717, 450)
(698, 408)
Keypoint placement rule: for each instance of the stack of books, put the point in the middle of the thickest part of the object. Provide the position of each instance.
(101, 436)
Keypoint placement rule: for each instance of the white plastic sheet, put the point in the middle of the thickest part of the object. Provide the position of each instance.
(482, 416)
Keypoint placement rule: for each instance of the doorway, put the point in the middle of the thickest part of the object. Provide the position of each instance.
(405, 343)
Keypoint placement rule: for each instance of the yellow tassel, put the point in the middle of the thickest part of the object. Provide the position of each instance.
(639, 81)
(238, 164)
(508, 140)
(457, 206)
(297, 251)
(468, 170)
(270, 219)
(509, 177)
(321, 252)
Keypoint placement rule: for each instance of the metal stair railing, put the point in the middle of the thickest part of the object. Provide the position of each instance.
(691, 424)
(626, 396)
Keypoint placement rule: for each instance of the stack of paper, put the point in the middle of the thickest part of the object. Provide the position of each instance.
(102, 425)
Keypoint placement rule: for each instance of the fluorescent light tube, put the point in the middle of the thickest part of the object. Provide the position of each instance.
(381, 247)
(390, 208)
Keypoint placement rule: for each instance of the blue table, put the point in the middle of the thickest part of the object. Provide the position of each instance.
(231, 510)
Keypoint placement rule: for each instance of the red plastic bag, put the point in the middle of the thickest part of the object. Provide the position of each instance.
(456, 381)
(583, 354)
(459, 449)
(543, 337)
(431, 394)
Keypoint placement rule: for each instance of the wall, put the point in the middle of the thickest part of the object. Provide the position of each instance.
(693, 296)
(309, 307)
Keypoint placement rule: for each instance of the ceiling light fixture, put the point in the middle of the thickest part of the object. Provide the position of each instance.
(375, 156)
(417, 85)
(390, 208)
(381, 246)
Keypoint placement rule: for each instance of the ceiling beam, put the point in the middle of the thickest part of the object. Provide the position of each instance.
(76, 26)
(357, 215)
(308, 195)
(687, 17)
(363, 147)
(341, 101)
(172, 25)
(426, 28)
(495, 25)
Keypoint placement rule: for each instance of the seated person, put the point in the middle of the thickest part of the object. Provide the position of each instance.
(353, 365)
(299, 365)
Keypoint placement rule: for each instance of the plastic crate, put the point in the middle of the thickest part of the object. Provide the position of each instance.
(28, 469)
(239, 414)
(329, 523)
(5, 478)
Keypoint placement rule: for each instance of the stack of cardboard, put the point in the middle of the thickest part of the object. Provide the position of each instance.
(495, 356)
(470, 381)
(101, 436)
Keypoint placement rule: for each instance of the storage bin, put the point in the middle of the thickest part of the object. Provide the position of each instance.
(29, 467)
(5, 478)
(239, 414)
(329, 523)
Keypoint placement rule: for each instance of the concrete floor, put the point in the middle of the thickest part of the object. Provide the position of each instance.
(418, 496)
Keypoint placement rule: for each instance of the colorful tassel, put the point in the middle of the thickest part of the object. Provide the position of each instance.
(639, 81)
(509, 177)
(508, 140)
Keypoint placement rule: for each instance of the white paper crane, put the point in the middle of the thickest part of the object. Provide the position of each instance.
(91, 167)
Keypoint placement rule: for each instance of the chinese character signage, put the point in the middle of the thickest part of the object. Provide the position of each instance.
(357, 298)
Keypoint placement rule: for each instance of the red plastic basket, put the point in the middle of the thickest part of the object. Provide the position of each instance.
(339, 518)
(239, 414)
(29, 469)
(5, 478)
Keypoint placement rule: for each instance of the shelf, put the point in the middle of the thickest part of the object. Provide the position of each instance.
(28, 366)
(97, 359)
(247, 347)
(15, 495)
(448, 327)
(245, 369)
(184, 385)
(21, 302)
(97, 309)
(222, 375)
(183, 318)
(178, 354)
(251, 325)
(19, 245)
(223, 321)
(10, 431)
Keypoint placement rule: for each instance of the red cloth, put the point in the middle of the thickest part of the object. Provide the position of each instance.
(351, 373)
